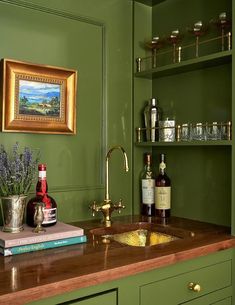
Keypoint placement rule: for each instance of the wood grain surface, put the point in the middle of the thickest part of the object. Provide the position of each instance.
(33, 276)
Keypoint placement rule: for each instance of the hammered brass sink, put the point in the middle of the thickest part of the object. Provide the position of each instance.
(136, 234)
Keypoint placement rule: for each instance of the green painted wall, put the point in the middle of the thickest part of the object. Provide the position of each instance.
(96, 40)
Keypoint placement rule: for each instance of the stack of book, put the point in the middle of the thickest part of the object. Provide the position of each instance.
(27, 241)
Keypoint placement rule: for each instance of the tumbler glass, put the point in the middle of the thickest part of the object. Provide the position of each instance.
(167, 130)
(197, 132)
(213, 131)
(185, 132)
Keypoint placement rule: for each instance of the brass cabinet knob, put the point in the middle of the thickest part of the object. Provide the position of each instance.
(194, 287)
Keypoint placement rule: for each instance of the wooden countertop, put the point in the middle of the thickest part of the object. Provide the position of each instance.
(33, 276)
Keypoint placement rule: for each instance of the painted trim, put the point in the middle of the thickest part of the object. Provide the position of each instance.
(52, 11)
(71, 188)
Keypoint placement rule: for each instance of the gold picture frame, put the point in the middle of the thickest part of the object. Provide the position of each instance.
(38, 98)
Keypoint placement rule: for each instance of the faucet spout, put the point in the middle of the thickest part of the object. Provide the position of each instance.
(126, 168)
(106, 206)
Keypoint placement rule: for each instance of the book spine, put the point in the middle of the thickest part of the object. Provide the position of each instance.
(42, 238)
(43, 245)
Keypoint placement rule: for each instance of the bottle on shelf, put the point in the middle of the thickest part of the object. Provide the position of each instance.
(50, 206)
(162, 190)
(147, 187)
(152, 116)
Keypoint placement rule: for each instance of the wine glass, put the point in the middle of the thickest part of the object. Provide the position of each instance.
(198, 29)
(174, 39)
(223, 23)
(154, 45)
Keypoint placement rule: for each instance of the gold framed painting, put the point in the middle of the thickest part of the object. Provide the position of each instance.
(38, 98)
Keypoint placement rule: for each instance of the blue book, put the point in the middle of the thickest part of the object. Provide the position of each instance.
(43, 245)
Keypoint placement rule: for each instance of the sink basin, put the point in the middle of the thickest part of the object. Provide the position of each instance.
(141, 238)
(136, 234)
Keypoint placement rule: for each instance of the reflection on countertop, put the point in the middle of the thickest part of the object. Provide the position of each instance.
(50, 272)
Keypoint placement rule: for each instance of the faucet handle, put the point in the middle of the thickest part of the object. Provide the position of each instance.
(120, 206)
(93, 208)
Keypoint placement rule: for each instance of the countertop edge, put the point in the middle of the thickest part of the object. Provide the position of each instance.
(71, 284)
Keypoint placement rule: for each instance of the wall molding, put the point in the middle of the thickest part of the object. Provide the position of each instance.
(103, 110)
(53, 11)
(71, 188)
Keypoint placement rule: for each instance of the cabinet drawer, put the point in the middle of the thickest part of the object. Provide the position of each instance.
(176, 290)
(206, 301)
(105, 298)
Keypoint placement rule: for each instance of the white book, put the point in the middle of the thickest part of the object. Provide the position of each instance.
(27, 236)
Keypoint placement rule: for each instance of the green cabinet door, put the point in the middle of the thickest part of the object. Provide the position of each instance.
(175, 290)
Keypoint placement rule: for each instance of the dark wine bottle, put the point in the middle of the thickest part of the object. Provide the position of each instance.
(50, 208)
(163, 191)
(147, 188)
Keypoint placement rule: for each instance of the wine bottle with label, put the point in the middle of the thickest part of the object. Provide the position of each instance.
(147, 188)
(163, 190)
(50, 206)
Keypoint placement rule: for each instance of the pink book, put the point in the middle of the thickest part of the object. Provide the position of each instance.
(59, 231)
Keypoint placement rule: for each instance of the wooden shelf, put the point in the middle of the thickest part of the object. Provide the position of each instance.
(149, 2)
(188, 65)
(189, 143)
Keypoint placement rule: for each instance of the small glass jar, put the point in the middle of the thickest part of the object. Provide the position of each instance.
(213, 131)
(197, 132)
(167, 130)
(185, 132)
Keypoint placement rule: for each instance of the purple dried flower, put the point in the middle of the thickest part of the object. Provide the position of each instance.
(17, 170)
(27, 156)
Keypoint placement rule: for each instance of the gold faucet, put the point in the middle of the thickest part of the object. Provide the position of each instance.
(107, 207)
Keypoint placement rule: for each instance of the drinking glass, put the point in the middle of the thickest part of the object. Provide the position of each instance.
(213, 131)
(225, 130)
(223, 23)
(198, 29)
(185, 132)
(197, 132)
(174, 39)
(167, 131)
(154, 45)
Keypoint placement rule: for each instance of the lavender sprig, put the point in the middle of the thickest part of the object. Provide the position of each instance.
(17, 170)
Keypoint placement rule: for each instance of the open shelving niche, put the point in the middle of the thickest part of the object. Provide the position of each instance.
(211, 60)
(207, 61)
(222, 152)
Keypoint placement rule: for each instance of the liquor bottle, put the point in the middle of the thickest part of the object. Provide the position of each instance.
(163, 190)
(147, 188)
(50, 206)
(152, 116)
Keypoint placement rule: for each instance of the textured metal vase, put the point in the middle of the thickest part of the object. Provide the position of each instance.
(13, 210)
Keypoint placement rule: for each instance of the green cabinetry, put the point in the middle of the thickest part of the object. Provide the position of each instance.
(189, 285)
(162, 286)
(197, 89)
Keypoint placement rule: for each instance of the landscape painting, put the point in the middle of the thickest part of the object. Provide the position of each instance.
(39, 98)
